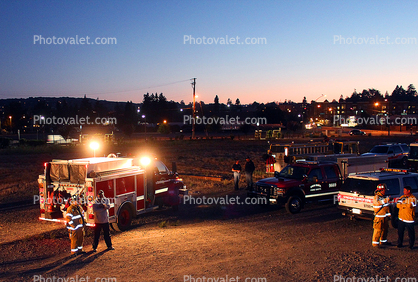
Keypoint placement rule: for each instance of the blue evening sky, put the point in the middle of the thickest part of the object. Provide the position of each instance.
(298, 58)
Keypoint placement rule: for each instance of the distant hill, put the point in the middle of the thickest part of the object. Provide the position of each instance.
(31, 102)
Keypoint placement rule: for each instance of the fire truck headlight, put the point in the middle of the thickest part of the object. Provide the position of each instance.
(145, 161)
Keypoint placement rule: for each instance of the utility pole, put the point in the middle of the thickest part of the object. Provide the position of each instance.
(194, 107)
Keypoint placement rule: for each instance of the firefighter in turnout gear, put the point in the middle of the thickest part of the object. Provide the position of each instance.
(406, 205)
(381, 217)
(75, 225)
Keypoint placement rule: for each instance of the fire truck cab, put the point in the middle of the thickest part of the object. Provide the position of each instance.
(132, 186)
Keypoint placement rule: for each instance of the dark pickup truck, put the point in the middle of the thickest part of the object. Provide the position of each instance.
(299, 182)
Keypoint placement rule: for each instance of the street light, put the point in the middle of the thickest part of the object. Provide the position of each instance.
(145, 125)
(94, 146)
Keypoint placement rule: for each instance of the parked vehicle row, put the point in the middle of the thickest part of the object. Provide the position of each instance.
(396, 153)
(346, 175)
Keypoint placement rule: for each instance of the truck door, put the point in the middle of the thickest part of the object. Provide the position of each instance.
(314, 184)
(332, 181)
(162, 179)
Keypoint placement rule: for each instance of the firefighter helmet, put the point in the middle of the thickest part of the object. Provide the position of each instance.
(381, 189)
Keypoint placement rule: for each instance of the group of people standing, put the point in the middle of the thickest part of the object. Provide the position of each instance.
(406, 205)
(76, 223)
(248, 169)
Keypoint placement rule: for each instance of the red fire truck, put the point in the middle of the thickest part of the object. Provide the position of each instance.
(133, 186)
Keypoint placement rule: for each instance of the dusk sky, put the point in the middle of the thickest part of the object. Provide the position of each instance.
(301, 50)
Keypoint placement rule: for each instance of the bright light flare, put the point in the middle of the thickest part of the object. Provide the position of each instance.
(145, 161)
(94, 145)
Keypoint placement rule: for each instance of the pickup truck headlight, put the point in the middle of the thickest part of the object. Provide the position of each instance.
(277, 190)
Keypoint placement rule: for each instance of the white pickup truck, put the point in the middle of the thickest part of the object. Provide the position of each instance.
(357, 192)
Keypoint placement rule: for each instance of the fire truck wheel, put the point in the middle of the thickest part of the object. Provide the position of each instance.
(294, 204)
(124, 219)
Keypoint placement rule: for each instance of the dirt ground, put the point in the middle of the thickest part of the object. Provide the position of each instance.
(207, 241)
(200, 242)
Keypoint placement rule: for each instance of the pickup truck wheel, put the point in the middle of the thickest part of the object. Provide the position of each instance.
(294, 204)
(124, 219)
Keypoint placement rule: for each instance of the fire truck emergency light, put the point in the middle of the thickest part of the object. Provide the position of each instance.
(145, 161)
(94, 146)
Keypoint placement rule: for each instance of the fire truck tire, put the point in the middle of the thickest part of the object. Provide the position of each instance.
(124, 219)
(294, 204)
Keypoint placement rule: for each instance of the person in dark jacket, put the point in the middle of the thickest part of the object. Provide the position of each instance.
(249, 169)
(101, 208)
(236, 169)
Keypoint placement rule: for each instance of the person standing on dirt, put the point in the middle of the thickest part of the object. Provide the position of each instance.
(249, 169)
(75, 225)
(101, 208)
(381, 216)
(406, 205)
(236, 169)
